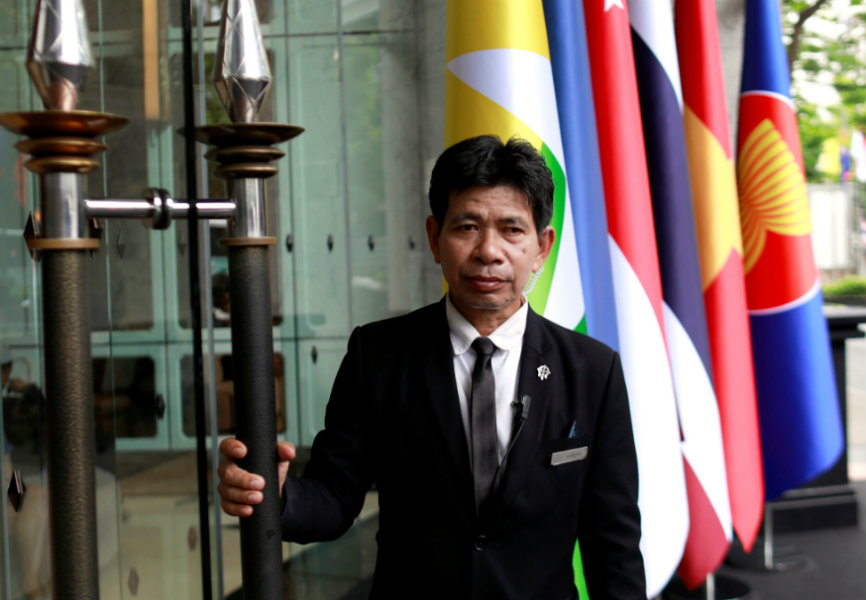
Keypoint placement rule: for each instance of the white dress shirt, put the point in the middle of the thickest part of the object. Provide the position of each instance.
(508, 339)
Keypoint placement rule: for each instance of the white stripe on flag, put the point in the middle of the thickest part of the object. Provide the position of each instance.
(699, 418)
(662, 499)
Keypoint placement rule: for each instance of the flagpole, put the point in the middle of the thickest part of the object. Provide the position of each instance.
(790, 560)
(768, 538)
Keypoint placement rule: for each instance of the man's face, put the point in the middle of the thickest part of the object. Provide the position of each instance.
(488, 248)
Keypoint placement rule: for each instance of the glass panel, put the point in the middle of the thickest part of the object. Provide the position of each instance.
(17, 270)
(24, 461)
(14, 23)
(311, 16)
(212, 10)
(123, 293)
(159, 532)
(386, 208)
(318, 362)
(131, 396)
(24, 534)
(218, 266)
(377, 15)
(318, 202)
(225, 394)
(124, 391)
(121, 278)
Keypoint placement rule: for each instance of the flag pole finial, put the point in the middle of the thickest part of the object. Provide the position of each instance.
(242, 75)
(59, 55)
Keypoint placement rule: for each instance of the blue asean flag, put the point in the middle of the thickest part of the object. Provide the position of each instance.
(801, 428)
(571, 77)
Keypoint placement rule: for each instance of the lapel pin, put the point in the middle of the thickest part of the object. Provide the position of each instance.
(543, 372)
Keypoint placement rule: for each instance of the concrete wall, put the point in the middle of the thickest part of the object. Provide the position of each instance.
(731, 16)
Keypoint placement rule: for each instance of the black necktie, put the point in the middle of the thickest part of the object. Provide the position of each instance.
(482, 408)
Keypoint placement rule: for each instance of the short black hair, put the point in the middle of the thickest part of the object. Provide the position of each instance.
(484, 160)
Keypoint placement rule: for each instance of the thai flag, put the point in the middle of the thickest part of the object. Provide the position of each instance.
(661, 103)
(801, 428)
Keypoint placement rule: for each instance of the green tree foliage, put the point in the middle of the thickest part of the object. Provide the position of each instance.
(813, 132)
(826, 42)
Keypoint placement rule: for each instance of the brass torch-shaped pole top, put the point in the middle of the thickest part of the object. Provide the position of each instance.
(242, 75)
(59, 55)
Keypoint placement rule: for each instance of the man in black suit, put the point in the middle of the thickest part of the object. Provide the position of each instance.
(491, 457)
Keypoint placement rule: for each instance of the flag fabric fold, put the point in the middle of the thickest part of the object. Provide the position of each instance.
(638, 292)
(801, 428)
(566, 33)
(685, 322)
(714, 197)
(499, 81)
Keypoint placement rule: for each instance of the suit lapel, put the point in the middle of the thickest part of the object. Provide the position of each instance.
(442, 394)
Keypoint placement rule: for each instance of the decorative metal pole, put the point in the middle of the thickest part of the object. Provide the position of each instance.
(62, 141)
(243, 150)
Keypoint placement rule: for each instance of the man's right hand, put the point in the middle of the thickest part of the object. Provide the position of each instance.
(240, 490)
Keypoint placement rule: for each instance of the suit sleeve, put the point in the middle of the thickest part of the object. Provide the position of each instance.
(323, 504)
(610, 520)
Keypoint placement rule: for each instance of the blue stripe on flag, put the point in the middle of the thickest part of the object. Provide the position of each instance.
(568, 56)
(765, 64)
(800, 425)
(673, 211)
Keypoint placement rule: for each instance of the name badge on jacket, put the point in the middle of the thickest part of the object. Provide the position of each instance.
(567, 456)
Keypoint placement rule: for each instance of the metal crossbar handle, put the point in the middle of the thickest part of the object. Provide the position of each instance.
(158, 207)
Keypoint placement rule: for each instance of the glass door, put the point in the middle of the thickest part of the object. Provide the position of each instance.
(364, 78)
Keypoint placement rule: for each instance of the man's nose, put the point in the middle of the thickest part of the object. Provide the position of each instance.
(489, 247)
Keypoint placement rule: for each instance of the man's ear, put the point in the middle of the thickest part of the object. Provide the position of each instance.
(433, 236)
(545, 245)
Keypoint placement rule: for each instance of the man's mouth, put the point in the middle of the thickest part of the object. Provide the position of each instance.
(485, 283)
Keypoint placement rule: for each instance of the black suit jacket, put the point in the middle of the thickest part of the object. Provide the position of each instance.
(393, 418)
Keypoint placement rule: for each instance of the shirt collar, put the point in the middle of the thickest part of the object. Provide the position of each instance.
(507, 336)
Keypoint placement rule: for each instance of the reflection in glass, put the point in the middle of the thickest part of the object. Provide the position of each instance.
(24, 459)
(225, 394)
(219, 277)
(125, 398)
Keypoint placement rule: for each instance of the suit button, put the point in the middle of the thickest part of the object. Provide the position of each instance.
(480, 542)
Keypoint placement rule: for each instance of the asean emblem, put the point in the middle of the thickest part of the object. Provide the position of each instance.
(772, 191)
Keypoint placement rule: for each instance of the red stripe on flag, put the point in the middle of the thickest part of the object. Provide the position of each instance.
(707, 545)
(696, 30)
(731, 349)
(620, 132)
(786, 272)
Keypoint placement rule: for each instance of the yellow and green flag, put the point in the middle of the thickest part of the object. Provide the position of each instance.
(499, 82)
